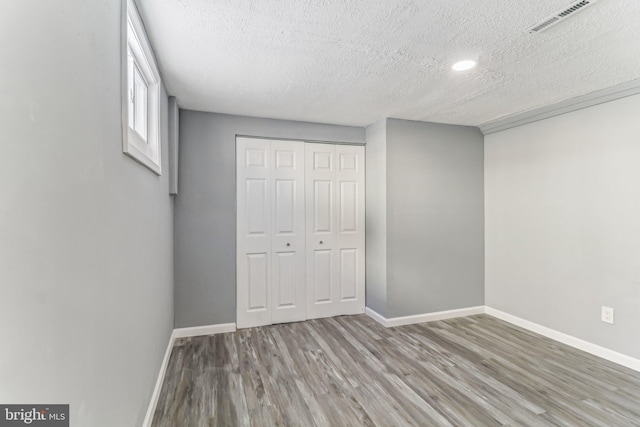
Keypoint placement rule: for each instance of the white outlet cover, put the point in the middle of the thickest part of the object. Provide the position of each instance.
(607, 314)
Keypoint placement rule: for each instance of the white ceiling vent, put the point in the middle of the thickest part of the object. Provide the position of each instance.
(560, 16)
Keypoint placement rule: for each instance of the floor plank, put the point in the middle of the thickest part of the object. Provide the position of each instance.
(350, 371)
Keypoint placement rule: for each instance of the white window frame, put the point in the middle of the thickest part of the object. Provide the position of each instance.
(137, 53)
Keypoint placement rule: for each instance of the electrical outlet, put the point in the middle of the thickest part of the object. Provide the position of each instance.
(607, 314)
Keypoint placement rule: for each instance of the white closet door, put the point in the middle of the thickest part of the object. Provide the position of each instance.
(350, 242)
(270, 232)
(253, 226)
(288, 231)
(320, 172)
(334, 180)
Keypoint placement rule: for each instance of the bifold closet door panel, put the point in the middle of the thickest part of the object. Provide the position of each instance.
(288, 232)
(320, 168)
(350, 229)
(334, 180)
(270, 232)
(253, 241)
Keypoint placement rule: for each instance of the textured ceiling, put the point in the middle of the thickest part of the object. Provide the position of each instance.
(357, 61)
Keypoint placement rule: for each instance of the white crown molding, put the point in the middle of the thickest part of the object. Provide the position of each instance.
(573, 104)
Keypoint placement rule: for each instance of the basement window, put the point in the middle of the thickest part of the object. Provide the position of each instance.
(141, 95)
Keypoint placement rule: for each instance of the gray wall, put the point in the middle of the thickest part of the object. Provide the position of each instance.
(205, 217)
(376, 217)
(86, 303)
(435, 217)
(562, 223)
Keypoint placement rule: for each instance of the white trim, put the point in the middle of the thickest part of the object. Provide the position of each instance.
(180, 333)
(148, 419)
(204, 330)
(573, 104)
(376, 316)
(421, 318)
(596, 350)
(580, 344)
(572, 341)
(309, 141)
(146, 152)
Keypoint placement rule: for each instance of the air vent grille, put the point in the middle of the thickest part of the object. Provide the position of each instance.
(560, 16)
(545, 24)
(574, 8)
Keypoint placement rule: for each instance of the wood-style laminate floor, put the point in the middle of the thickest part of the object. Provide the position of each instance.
(350, 371)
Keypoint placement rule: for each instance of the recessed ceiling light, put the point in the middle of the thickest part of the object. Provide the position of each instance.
(464, 65)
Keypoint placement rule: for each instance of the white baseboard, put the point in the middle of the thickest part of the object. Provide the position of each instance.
(596, 350)
(197, 331)
(572, 341)
(156, 391)
(580, 344)
(421, 318)
(180, 333)
(376, 316)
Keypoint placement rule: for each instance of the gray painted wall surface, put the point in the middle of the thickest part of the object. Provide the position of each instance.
(563, 235)
(86, 300)
(435, 217)
(205, 216)
(376, 213)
